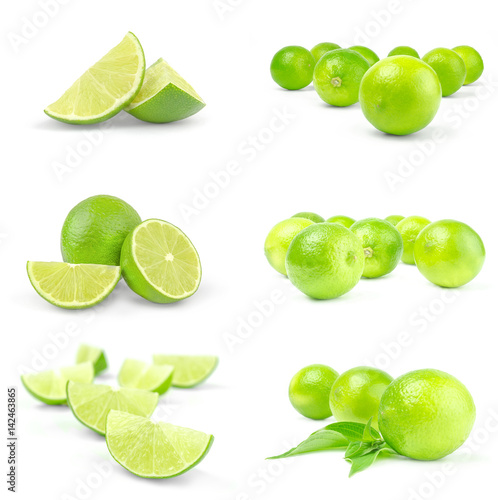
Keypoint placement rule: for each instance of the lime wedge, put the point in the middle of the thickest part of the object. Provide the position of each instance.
(50, 386)
(93, 354)
(104, 89)
(90, 403)
(73, 286)
(160, 263)
(136, 374)
(189, 370)
(154, 449)
(165, 96)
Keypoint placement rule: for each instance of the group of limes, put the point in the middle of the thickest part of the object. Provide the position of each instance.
(398, 95)
(102, 238)
(326, 259)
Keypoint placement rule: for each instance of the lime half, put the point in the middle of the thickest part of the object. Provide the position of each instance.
(189, 370)
(136, 374)
(93, 354)
(104, 89)
(154, 449)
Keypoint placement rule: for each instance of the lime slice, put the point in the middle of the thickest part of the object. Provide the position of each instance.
(189, 370)
(136, 374)
(165, 96)
(104, 89)
(160, 263)
(154, 449)
(93, 354)
(91, 403)
(73, 286)
(50, 386)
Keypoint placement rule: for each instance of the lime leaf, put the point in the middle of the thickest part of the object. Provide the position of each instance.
(361, 461)
(370, 434)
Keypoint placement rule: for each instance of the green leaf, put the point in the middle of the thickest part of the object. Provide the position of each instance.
(357, 449)
(370, 434)
(361, 461)
(352, 431)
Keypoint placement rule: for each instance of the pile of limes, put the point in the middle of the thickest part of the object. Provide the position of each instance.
(399, 95)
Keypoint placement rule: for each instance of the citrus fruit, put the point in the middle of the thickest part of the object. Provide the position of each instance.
(394, 219)
(449, 253)
(409, 228)
(95, 229)
(367, 53)
(473, 62)
(50, 386)
(73, 286)
(449, 67)
(136, 374)
(309, 391)
(105, 88)
(325, 260)
(309, 215)
(93, 354)
(337, 76)
(90, 403)
(292, 67)
(154, 449)
(159, 262)
(322, 48)
(355, 395)
(279, 238)
(403, 50)
(344, 220)
(400, 95)
(382, 244)
(165, 96)
(189, 371)
(426, 414)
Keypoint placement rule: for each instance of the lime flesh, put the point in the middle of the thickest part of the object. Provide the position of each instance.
(93, 354)
(136, 374)
(189, 371)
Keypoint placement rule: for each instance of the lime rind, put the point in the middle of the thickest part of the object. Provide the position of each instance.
(135, 374)
(93, 354)
(190, 371)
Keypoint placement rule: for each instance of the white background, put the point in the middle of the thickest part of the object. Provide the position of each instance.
(323, 159)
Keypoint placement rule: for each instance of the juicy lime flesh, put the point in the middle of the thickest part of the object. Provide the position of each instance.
(473, 63)
(154, 450)
(449, 67)
(73, 286)
(93, 354)
(312, 216)
(410, 228)
(292, 67)
(135, 374)
(189, 371)
(322, 48)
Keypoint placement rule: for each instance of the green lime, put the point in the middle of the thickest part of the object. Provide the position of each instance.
(400, 95)
(73, 286)
(93, 354)
(449, 253)
(355, 395)
(403, 50)
(426, 414)
(154, 449)
(90, 403)
(344, 220)
(337, 76)
(136, 374)
(322, 48)
(292, 67)
(409, 228)
(165, 96)
(95, 229)
(279, 238)
(310, 216)
(309, 391)
(449, 67)
(160, 263)
(104, 89)
(189, 371)
(382, 244)
(473, 63)
(367, 53)
(325, 260)
(394, 219)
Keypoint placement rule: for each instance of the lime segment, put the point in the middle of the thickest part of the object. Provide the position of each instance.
(93, 354)
(189, 370)
(136, 374)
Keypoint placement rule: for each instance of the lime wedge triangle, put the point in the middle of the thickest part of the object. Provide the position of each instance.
(104, 89)
(90, 403)
(154, 449)
(189, 370)
(136, 374)
(93, 354)
(50, 386)
(73, 286)
(165, 96)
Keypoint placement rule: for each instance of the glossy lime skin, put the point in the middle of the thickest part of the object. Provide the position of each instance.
(394, 219)
(449, 67)
(322, 48)
(367, 53)
(473, 62)
(426, 414)
(449, 253)
(344, 220)
(312, 216)
(292, 67)
(409, 228)
(403, 50)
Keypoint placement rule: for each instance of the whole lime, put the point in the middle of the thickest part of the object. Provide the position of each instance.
(473, 63)
(95, 229)
(449, 253)
(322, 48)
(342, 219)
(311, 216)
(292, 67)
(426, 414)
(409, 228)
(325, 260)
(400, 95)
(309, 391)
(356, 394)
(367, 53)
(394, 219)
(403, 50)
(449, 67)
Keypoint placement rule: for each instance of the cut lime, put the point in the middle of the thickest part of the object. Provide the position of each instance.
(160, 263)
(165, 96)
(91, 403)
(154, 449)
(104, 89)
(189, 370)
(93, 354)
(50, 386)
(136, 374)
(73, 286)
